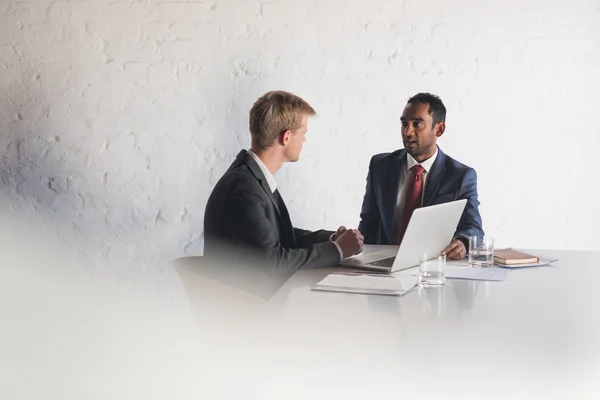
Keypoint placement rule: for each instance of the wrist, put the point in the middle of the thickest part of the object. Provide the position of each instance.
(464, 241)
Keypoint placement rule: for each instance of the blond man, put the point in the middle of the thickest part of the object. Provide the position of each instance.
(246, 217)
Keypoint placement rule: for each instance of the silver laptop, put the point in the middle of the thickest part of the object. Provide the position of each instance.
(429, 230)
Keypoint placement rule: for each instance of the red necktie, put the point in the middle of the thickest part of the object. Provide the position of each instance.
(413, 197)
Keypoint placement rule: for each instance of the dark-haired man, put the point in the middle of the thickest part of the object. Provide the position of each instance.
(418, 175)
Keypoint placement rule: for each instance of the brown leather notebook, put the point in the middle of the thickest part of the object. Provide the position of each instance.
(513, 257)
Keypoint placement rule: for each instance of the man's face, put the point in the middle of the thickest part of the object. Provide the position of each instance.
(296, 140)
(419, 135)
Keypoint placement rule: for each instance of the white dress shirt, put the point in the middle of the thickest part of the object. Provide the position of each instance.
(273, 186)
(268, 175)
(411, 162)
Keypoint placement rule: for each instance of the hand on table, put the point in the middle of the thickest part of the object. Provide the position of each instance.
(339, 232)
(350, 241)
(455, 250)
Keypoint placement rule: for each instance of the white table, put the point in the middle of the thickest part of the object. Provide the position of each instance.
(536, 335)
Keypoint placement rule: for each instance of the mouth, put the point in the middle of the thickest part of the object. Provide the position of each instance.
(410, 143)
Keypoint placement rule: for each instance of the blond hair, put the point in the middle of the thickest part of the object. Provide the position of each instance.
(273, 113)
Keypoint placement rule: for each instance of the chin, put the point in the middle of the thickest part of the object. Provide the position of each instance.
(293, 157)
(409, 151)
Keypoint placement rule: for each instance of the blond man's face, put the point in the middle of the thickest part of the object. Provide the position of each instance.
(296, 141)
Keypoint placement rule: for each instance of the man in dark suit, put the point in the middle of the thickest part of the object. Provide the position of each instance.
(246, 219)
(419, 175)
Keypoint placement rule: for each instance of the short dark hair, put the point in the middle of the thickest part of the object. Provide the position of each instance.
(437, 109)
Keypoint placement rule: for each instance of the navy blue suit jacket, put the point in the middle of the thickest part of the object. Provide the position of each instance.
(448, 180)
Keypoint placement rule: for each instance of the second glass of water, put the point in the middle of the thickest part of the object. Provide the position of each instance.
(432, 270)
(481, 251)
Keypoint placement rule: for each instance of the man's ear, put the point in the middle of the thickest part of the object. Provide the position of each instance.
(284, 137)
(440, 128)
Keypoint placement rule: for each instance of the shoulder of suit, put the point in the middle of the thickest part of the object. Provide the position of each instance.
(385, 158)
(456, 165)
(239, 178)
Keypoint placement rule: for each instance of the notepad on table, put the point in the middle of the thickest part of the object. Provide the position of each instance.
(513, 257)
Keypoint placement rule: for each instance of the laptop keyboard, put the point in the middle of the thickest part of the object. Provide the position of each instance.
(386, 262)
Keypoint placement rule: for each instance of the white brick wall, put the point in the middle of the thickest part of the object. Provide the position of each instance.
(117, 118)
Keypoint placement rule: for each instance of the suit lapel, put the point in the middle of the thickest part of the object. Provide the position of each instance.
(285, 216)
(435, 177)
(258, 174)
(396, 178)
(287, 229)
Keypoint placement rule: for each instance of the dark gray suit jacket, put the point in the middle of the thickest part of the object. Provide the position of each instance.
(244, 222)
(447, 181)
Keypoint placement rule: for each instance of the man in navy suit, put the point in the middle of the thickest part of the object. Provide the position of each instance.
(419, 175)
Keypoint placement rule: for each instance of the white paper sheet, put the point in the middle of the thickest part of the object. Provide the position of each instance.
(478, 274)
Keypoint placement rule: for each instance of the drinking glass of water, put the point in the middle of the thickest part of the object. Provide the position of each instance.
(432, 269)
(481, 251)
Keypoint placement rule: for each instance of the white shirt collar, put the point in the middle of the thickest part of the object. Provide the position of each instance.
(427, 164)
(268, 175)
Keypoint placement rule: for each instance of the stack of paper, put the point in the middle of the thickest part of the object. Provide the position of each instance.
(366, 284)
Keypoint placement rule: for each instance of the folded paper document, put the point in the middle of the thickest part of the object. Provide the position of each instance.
(366, 284)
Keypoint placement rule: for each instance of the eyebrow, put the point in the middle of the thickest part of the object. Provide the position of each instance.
(414, 119)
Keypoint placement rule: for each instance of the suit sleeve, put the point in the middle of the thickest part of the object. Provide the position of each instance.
(370, 218)
(470, 222)
(306, 238)
(252, 226)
